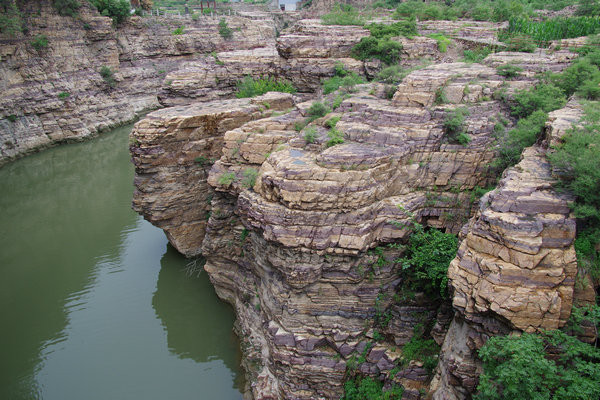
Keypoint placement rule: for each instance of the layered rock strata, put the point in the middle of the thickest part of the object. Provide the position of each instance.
(516, 267)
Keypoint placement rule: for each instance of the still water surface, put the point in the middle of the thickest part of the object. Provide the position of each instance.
(94, 304)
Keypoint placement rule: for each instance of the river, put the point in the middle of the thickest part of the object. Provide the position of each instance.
(94, 303)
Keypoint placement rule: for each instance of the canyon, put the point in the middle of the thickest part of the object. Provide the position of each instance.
(303, 238)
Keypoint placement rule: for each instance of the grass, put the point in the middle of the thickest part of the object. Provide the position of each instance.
(63, 95)
(226, 178)
(476, 55)
(40, 42)
(310, 134)
(342, 78)
(108, 76)
(179, 31)
(542, 32)
(442, 41)
(454, 126)
(343, 14)
(251, 87)
(509, 70)
(335, 137)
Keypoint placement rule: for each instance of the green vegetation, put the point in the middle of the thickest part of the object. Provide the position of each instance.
(107, 74)
(406, 28)
(224, 30)
(179, 31)
(385, 49)
(11, 117)
(343, 14)
(226, 178)
(473, 9)
(575, 163)
(393, 74)
(310, 134)
(476, 55)
(365, 387)
(317, 110)
(421, 349)
(425, 264)
(335, 137)
(454, 126)
(509, 70)
(252, 87)
(66, 7)
(542, 32)
(63, 95)
(11, 20)
(588, 7)
(544, 97)
(342, 78)
(249, 177)
(118, 10)
(551, 365)
(520, 42)
(442, 41)
(40, 42)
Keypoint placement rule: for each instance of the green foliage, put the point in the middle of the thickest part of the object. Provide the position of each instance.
(11, 21)
(317, 110)
(544, 97)
(542, 32)
(343, 14)
(63, 95)
(107, 74)
(252, 87)
(66, 7)
(249, 177)
(454, 126)
(332, 122)
(425, 265)
(118, 10)
(335, 137)
(520, 42)
(588, 7)
(440, 96)
(226, 178)
(442, 41)
(393, 74)
(479, 10)
(40, 42)
(476, 55)
(478, 192)
(406, 28)
(338, 101)
(509, 70)
(179, 31)
(552, 365)
(310, 134)
(385, 49)
(362, 388)
(342, 78)
(512, 143)
(224, 30)
(421, 349)
(11, 117)
(582, 70)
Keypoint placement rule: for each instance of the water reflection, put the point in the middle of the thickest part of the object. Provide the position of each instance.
(78, 270)
(206, 337)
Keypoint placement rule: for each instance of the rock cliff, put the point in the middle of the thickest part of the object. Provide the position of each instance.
(298, 231)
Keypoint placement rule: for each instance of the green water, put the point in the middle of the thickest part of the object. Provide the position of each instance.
(94, 304)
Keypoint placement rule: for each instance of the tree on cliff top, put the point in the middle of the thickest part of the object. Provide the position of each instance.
(66, 7)
(118, 10)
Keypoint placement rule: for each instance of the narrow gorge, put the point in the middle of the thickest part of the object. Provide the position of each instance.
(303, 206)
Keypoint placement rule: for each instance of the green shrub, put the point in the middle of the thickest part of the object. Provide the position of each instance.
(226, 178)
(425, 264)
(63, 95)
(317, 110)
(251, 87)
(118, 10)
(249, 177)
(393, 74)
(310, 134)
(40, 42)
(440, 96)
(107, 74)
(588, 7)
(476, 55)
(421, 349)
(454, 126)
(11, 21)
(575, 75)
(332, 122)
(522, 43)
(385, 49)
(590, 90)
(512, 143)
(66, 7)
(179, 31)
(552, 365)
(442, 41)
(343, 14)
(11, 117)
(338, 101)
(342, 78)
(406, 28)
(544, 97)
(335, 137)
(362, 388)
(542, 32)
(509, 70)
(224, 30)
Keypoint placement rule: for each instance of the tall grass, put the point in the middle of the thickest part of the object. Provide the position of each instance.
(543, 32)
(251, 87)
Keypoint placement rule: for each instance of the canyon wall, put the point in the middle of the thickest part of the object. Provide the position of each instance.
(304, 238)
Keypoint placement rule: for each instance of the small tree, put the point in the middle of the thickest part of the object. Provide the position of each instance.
(224, 30)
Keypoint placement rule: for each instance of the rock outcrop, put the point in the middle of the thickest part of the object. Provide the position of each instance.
(516, 268)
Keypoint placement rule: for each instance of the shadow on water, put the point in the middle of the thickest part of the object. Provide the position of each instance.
(209, 334)
(78, 282)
